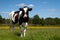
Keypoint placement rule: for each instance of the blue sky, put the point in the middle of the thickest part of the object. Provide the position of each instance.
(44, 8)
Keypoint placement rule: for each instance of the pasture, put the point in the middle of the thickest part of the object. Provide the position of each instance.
(33, 33)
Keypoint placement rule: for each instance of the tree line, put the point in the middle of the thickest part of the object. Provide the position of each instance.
(3, 20)
(36, 20)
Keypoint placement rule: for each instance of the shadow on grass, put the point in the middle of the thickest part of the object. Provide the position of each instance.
(17, 34)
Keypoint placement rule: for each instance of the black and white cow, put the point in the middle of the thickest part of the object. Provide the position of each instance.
(21, 17)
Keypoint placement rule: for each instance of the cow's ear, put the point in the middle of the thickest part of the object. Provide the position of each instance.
(30, 9)
(20, 9)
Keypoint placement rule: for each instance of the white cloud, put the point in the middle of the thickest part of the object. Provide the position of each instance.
(51, 10)
(31, 5)
(3, 12)
(23, 4)
(44, 2)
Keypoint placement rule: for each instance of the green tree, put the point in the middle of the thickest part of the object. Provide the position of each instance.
(36, 19)
(0, 19)
(57, 21)
(42, 22)
(30, 21)
(49, 21)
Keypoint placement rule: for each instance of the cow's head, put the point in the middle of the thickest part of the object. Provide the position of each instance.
(25, 11)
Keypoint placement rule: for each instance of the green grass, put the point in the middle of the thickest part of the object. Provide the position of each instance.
(32, 34)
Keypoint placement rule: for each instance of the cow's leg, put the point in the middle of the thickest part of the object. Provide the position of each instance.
(21, 31)
(25, 27)
(11, 26)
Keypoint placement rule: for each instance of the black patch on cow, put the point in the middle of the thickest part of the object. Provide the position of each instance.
(16, 12)
(21, 20)
(16, 17)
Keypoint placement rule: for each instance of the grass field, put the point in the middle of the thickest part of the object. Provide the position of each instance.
(37, 33)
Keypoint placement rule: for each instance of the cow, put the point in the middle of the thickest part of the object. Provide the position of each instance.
(20, 17)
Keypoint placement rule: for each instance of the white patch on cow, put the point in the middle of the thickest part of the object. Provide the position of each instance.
(11, 15)
(20, 12)
(25, 9)
(14, 18)
(15, 15)
(25, 15)
(25, 25)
